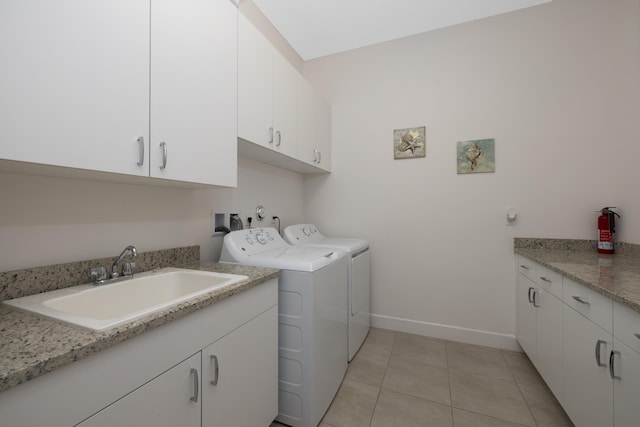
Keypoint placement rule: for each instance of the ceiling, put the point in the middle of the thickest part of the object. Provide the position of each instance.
(316, 28)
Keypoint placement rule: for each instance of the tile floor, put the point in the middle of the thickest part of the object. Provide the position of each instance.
(404, 380)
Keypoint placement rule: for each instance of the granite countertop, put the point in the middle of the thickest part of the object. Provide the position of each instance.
(615, 276)
(31, 345)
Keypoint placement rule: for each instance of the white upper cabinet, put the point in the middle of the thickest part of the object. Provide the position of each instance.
(281, 120)
(194, 91)
(285, 97)
(314, 127)
(255, 85)
(74, 83)
(266, 93)
(99, 85)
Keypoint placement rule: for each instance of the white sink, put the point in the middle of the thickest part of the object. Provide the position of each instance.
(103, 307)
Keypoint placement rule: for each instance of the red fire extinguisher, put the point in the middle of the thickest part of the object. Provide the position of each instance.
(606, 230)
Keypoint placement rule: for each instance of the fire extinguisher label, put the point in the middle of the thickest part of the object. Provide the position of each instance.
(604, 240)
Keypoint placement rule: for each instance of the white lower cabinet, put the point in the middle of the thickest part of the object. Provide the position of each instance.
(625, 369)
(232, 371)
(235, 370)
(625, 366)
(550, 341)
(588, 394)
(585, 346)
(526, 328)
(169, 400)
(164, 376)
(538, 331)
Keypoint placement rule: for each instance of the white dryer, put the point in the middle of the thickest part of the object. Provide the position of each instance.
(307, 235)
(312, 319)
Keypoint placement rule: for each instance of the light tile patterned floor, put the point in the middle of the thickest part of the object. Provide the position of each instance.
(404, 380)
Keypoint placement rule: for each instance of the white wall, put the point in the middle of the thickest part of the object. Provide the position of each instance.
(46, 221)
(542, 82)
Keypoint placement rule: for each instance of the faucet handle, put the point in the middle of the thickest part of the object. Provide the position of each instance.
(127, 268)
(98, 273)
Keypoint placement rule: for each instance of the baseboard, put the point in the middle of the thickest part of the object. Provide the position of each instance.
(446, 332)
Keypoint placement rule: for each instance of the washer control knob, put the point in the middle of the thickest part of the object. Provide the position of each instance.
(249, 240)
(261, 239)
(306, 231)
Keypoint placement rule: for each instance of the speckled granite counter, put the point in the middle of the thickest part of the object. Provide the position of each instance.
(31, 345)
(615, 276)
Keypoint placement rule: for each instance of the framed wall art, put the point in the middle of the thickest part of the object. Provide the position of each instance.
(477, 156)
(409, 143)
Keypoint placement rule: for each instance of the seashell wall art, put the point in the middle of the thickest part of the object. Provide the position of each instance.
(409, 143)
(477, 156)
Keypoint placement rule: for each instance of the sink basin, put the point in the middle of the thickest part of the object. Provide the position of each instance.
(103, 307)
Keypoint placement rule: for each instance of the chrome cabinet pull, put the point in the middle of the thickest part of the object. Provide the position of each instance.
(165, 154)
(598, 345)
(315, 156)
(216, 367)
(271, 135)
(529, 295)
(612, 369)
(524, 267)
(544, 279)
(141, 148)
(582, 300)
(535, 292)
(279, 138)
(196, 386)
(319, 156)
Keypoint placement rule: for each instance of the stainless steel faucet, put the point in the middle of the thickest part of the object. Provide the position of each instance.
(128, 268)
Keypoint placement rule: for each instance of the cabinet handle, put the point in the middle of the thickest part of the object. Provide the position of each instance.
(319, 156)
(196, 386)
(271, 135)
(315, 155)
(279, 138)
(612, 369)
(165, 154)
(529, 296)
(582, 300)
(524, 267)
(141, 148)
(535, 292)
(214, 361)
(544, 279)
(598, 345)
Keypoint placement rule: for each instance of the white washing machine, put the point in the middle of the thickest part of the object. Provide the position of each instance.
(307, 235)
(312, 319)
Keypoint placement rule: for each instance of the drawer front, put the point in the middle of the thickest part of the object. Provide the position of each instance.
(549, 280)
(592, 305)
(527, 267)
(626, 324)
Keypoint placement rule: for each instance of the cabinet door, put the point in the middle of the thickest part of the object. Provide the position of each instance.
(240, 375)
(626, 387)
(194, 91)
(255, 85)
(285, 87)
(588, 390)
(307, 149)
(549, 341)
(526, 327)
(171, 399)
(323, 133)
(74, 83)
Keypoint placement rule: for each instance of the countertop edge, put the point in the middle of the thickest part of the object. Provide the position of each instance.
(540, 256)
